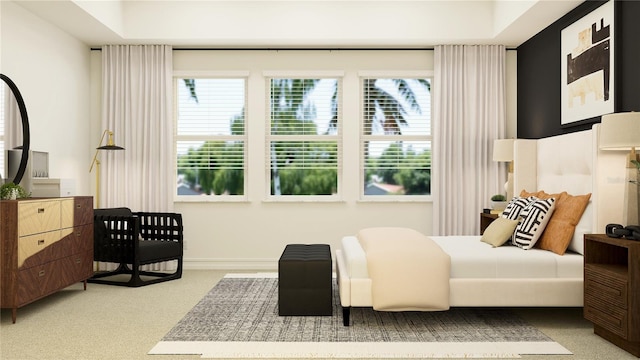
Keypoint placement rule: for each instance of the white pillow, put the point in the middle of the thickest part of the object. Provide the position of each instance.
(535, 217)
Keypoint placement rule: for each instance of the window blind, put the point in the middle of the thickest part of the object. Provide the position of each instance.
(396, 135)
(211, 136)
(303, 143)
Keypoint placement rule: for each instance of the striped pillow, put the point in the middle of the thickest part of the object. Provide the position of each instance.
(515, 207)
(535, 217)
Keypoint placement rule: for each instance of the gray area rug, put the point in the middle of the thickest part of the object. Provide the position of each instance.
(246, 310)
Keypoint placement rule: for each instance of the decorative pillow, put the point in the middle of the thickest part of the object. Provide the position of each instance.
(539, 194)
(534, 220)
(559, 231)
(515, 207)
(499, 231)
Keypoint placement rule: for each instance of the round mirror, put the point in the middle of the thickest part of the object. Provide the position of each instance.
(24, 120)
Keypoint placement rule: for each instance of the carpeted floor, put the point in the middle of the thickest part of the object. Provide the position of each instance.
(245, 310)
(114, 323)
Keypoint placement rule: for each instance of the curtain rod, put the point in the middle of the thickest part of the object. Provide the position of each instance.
(297, 49)
(288, 49)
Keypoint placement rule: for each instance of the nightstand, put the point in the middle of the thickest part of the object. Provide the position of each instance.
(485, 220)
(612, 289)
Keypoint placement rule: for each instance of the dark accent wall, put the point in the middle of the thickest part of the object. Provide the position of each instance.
(539, 72)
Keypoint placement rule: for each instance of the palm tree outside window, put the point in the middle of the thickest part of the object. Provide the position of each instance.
(396, 136)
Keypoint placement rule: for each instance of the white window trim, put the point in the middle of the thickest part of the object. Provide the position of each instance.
(177, 76)
(362, 198)
(395, 74)
(302, 74)
(210, 74)
(268, 198)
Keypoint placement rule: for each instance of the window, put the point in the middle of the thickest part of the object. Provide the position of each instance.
(210, 137)
(303, 126)
(396, 136)
(303, 136)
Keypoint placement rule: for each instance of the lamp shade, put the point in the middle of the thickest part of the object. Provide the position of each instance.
(110, 147)
(110, 144)
(503, 150)
(620, 131)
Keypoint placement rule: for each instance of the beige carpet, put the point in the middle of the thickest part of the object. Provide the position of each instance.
(109, 322)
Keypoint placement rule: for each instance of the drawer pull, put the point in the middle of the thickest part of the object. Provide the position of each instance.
(41, 273)
(40, 210)
(78, 233)
(41, 242)
(78, 260)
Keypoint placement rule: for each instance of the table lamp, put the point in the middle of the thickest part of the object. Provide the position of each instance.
(503, 152)
(621, 131)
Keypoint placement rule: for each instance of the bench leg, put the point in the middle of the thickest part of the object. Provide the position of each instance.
(346, 311)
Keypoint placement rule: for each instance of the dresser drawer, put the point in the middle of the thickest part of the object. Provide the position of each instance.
(83, 210)
(36, 249)
(606, 288)
(77, 239)
(67, 210)
(38, 281)
(606, 315)
(47, 278)
(38, 216)
(79, 267)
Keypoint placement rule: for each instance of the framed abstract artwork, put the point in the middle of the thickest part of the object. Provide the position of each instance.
(587, 66)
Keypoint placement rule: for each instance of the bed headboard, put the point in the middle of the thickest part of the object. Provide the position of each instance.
(572, 163)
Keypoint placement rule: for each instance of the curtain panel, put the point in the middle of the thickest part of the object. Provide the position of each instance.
(12, 121)
(137, 106)
(469, 111)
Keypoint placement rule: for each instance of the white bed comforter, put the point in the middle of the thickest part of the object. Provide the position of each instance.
(480, 275)
(474, 259)
(396, 257)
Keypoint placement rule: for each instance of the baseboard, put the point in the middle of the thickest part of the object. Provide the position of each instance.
(230, 264)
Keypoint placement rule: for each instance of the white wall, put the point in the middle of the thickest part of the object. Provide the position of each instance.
(60, 80)
(51, 69)
(252, 235)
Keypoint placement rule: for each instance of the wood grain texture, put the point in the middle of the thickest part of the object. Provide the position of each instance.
(612, 289)
(46, 245)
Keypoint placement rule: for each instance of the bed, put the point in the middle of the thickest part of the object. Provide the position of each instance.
(482, 275)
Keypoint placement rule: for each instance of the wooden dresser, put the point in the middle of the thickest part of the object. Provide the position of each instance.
(612, 289)
(46, 245)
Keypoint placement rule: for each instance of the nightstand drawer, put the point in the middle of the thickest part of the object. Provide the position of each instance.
(606, 315)
(606, 288)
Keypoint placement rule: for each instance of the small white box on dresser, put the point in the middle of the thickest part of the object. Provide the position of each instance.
(45, 187)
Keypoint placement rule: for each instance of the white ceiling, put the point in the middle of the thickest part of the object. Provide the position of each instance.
(302, 23)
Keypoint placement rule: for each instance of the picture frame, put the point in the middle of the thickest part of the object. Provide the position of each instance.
(587, 66)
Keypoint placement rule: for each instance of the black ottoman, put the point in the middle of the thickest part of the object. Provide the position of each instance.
(304, 280)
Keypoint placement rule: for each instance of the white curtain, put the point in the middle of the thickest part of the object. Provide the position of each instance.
(469, 112)
(12, 120)
(137, 106)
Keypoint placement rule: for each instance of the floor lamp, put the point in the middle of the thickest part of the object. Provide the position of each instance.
(621, 131)
(109, 146)
(503, 152)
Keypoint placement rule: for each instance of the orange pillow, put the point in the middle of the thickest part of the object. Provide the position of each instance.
(559, 231)
(540, 194)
